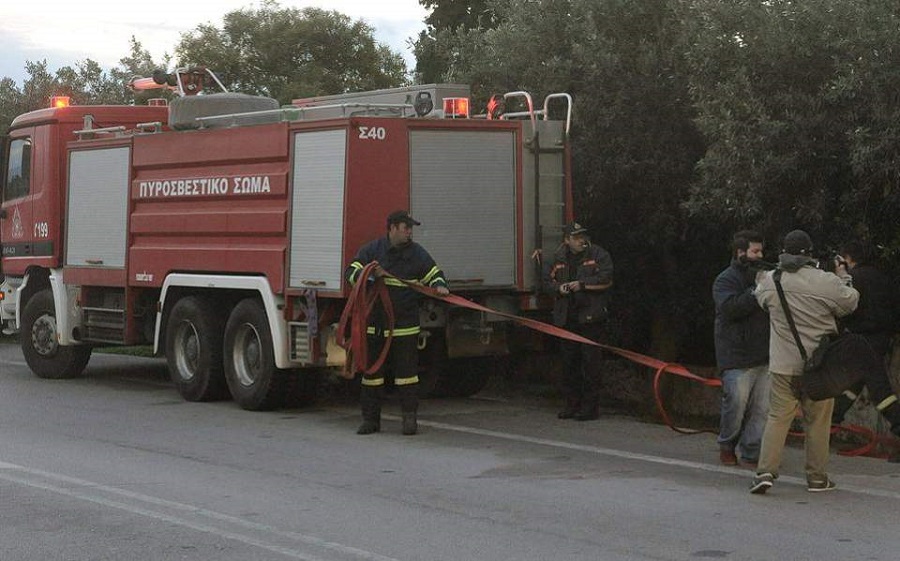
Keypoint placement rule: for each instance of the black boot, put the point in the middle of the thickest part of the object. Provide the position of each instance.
(370, 405)
(570, 410)
(589, 411)
(409, 408)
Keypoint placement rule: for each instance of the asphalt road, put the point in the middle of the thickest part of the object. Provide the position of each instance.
(115, 465)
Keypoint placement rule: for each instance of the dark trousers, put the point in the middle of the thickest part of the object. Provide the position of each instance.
(581, 366)
(402, 363)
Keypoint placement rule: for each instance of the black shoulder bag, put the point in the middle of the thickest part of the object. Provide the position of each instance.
(838, 363)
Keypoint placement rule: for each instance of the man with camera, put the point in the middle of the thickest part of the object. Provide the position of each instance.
(875, 319)
(816, 299)
(579, 277)
(742, 351)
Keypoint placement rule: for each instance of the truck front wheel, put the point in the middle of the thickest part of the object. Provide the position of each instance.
(255, 382)
(194, 349)
(40, 341)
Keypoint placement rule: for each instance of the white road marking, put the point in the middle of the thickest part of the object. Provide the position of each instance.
(641, 457)
(92, 492)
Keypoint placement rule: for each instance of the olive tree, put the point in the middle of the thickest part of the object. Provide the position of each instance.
(286, 53)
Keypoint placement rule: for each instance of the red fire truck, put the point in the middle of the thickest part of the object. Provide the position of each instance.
(217, 227)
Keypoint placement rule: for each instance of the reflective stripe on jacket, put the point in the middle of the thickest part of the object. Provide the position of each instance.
(409, 262)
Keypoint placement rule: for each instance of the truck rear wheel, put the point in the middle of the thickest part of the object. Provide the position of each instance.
(467, 376)
(194, 349)
(40, 341)
(255, 382)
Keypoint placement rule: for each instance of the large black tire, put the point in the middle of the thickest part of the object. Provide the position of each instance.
(432, 368)
(255, 382)
(194, 349)
(467, 376)
(40, 341)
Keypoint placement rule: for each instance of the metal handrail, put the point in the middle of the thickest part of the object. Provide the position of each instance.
(82, 132)
(286, 111)
(530, 112)
(568, 99)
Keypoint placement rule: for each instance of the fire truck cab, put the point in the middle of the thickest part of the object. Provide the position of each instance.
(217, 228)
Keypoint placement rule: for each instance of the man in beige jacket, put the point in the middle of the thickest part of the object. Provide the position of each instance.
(816, 298)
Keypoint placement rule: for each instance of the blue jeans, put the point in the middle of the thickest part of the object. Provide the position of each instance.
(745, 405)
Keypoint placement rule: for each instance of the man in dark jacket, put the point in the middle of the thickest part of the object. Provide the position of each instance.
(580, 276)
(401, 258)
(742, 352)
(875, 319)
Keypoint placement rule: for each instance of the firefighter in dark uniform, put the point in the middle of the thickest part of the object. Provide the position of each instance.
(401, 258)
(580, 276)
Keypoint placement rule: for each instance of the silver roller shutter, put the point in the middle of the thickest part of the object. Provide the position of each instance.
(317, 209)
(463, 190)
(97, 213)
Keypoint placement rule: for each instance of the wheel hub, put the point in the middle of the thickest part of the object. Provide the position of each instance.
(43, 336)
(187, 351)
(247, 355)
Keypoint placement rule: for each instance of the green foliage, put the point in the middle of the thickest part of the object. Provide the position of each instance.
(447, 17)
(697, 118)
(287, 53)
(86, 84)
(798, 103)
(634, 140)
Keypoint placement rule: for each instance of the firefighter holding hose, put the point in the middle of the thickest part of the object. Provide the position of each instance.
(398, 259)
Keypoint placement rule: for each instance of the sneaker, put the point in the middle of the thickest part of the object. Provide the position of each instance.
(820, 486)
(762, 483)
(727, 457)
(749, 462)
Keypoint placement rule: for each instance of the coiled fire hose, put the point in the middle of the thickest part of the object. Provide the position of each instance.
(355, 317)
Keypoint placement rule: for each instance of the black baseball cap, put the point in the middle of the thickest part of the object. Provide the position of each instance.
(798, 242)
(399, 216)
(573, 229)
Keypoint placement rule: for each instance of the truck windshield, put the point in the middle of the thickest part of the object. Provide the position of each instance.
(18, 172)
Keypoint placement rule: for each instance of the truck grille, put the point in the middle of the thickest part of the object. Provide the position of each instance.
(104, 325)
(301, 347)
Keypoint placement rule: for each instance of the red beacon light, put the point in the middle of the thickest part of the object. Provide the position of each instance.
(59, 101)
(456, 108)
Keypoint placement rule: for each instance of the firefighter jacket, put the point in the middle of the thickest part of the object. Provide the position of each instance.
(409, 262)
(816, 299)
(591, 267)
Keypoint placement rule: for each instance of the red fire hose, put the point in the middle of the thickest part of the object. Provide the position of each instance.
(360, 304)
(361, 299)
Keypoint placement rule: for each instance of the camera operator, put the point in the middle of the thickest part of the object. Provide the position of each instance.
(874, 319)
(816, 299)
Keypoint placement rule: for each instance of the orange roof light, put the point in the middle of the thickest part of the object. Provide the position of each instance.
(456, 108)
(59, 101)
